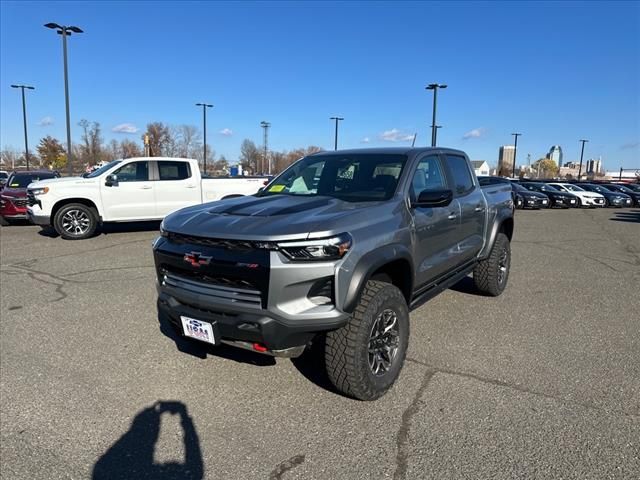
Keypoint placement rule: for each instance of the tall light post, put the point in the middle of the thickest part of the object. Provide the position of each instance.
(581, 156)
(204, 122)
(515, 152)
(434, 128)
(24, 120)
(265, 126)
(66, 31)
(335, 142)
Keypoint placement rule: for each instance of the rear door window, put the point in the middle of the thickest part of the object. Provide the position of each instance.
(173, 170)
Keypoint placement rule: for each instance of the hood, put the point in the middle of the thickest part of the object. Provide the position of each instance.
(535, 194)
(67, 181)
(275, 218)
(13, 192)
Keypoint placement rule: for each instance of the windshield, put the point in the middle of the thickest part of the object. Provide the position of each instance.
(518, 188)
(573, 188)
(102, 169)
(22, 180)
(619, 188)
(363, 177)
(633, 187)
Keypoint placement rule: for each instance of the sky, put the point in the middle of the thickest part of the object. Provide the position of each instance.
(556, 72)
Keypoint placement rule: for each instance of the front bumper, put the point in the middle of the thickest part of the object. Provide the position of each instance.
(14, 208)
(593, 202)
(621, 202)
(37, 218)
(249, 296)
(536, 202)
(565, 203)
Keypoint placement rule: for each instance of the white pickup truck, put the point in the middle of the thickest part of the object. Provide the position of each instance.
(128, 190)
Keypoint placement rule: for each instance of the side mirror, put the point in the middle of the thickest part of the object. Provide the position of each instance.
(433, 198)
(112, 180)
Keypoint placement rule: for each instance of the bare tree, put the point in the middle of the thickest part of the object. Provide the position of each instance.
(159, 138)
(91, 148)
(130, 149)
(249, 156)
(10, 157)
(189, 141)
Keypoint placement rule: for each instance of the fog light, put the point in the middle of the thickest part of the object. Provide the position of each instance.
(321, 292)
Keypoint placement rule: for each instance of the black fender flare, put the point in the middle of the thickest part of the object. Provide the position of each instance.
(367, 265)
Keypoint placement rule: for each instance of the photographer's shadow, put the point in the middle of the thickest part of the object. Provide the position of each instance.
(132, 456)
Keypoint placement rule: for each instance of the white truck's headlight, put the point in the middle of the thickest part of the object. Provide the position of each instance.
(333, 248)
(39, 190)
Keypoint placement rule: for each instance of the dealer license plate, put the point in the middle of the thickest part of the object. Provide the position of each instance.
(198, 329)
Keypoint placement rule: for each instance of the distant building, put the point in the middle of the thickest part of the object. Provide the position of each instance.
(594, 166)
(555, 154)
(481, 167)
(505, 160)
(571, 165)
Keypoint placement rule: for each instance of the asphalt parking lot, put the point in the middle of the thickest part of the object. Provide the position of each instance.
(542, 382)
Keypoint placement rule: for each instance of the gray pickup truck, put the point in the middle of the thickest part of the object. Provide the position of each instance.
(336, 250)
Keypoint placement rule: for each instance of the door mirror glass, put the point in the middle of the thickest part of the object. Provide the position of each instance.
(433, 198)
(112, 180)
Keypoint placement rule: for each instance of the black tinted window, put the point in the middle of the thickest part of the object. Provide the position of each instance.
(133, 172)
(462, 180)
(174, 170)
(429, 176)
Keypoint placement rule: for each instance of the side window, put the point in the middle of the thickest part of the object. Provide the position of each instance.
(173, 170)
(462, 180)
(133, 172)
(429, 176)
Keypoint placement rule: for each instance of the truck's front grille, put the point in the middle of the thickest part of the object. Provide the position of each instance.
(19, 202)
(210, 242)
(220, 289)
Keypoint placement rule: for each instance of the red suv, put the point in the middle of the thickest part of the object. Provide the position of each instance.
(13, 197)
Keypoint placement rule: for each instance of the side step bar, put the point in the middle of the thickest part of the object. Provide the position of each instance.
(440, 285)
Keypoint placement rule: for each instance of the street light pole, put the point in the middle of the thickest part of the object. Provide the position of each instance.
(204, 122)
(434, 128)
(66, 31)
(515, 152)
(24, 120)
(265, 126)
(335, 143)
(581, 156)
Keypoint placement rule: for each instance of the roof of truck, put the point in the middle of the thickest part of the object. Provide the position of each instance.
(387, 150)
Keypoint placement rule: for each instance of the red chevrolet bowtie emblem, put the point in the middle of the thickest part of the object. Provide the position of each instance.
(196, 259)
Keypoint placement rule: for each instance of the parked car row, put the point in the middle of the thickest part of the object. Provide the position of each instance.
(13, 193)
(548, 194)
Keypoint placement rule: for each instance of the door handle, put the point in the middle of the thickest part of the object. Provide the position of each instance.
(479, 209)
(146, 187)
(452, 216)
(191, 186)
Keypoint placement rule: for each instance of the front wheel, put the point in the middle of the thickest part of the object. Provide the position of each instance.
(364, 358)
(75, 221)
(491, 274)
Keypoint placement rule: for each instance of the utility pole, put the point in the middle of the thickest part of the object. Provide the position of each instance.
(434, 128)
(204, 121)
(265, 126)
(24, 120)
(413, 143)
(65, 32)
(515, 152)
(335, 143)
(581, 157)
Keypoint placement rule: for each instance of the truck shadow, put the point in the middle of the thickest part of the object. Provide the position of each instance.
(111, 228)
(311, 365)
(132, 455)
(201, 350)
(632, 216)
(466, 286)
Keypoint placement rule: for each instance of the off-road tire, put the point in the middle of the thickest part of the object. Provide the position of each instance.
(347, 349)
(487, 273)
(90, 213)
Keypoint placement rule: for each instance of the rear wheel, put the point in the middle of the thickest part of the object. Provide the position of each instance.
(75, 221)
(491, 274)
(364, 358)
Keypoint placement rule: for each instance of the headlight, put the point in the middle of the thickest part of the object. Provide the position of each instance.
(333, 248)
(39, 190)
(163, 232)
